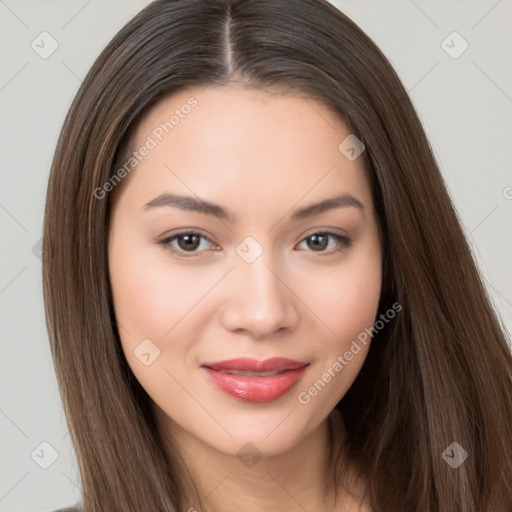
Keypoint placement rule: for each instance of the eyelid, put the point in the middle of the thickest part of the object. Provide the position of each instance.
(166, 241)
(327, 231)
(344, 240)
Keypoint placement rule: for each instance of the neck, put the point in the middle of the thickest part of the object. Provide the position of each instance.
(279, 482)
(303, 478)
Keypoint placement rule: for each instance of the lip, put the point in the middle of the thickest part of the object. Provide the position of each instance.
(285, 373)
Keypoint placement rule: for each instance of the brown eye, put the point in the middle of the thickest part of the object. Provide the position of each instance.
(319, 242)
(189, 242)
(186, 243)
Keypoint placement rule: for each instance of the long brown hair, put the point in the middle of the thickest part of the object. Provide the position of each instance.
(440, 373)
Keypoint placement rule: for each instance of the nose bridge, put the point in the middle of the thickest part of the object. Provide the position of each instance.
(260, 301)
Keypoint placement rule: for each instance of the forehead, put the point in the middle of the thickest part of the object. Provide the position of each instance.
(217, 142)
(240, 118)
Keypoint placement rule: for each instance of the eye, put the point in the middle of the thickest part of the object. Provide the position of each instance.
(189, 242)
(320, 241)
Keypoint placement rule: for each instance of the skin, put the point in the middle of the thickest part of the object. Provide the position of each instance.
(261, 156)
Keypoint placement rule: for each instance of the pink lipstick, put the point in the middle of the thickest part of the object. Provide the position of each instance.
(255, 381)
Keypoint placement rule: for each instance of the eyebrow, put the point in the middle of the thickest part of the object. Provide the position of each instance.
(192, 204)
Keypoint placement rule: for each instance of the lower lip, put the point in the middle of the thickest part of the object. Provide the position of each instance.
(255, 389)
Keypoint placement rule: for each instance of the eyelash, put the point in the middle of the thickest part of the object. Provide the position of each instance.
(343, 240)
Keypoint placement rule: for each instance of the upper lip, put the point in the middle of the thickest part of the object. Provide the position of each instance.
(253, 365)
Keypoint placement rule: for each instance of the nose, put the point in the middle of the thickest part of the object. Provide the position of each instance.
(259, 301)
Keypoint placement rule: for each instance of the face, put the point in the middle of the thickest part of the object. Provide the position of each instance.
(239, 308)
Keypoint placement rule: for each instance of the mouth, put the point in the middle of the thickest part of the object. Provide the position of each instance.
(250, 380)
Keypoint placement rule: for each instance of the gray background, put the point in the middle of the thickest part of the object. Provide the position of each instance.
(465, 104)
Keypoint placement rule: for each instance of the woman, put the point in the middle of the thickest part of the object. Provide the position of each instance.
(258, 292)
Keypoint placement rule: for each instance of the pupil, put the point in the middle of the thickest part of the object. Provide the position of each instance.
(188, 245)
(315, 239)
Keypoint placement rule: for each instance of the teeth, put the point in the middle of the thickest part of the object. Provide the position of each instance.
(252, 374)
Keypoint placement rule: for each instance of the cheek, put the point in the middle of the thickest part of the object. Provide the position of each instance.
(358, 299)
(149, 302)
(149, 299)
(347, 304)
(345, 297)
